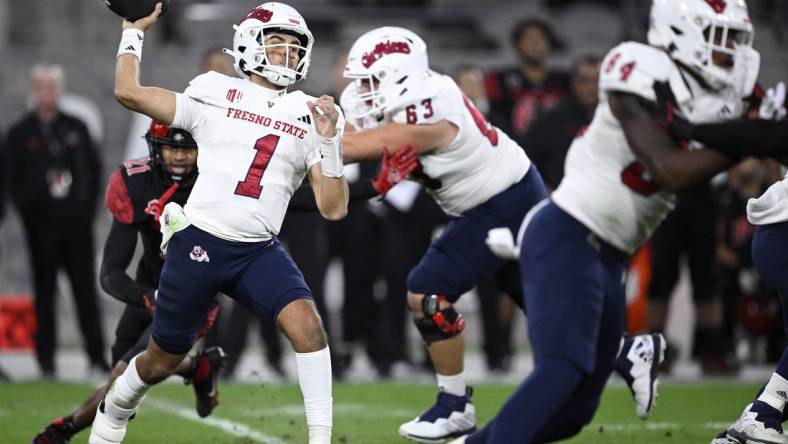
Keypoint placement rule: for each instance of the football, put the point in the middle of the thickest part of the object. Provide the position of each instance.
(133, 10)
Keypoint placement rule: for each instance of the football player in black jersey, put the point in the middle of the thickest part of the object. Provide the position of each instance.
(136, 195)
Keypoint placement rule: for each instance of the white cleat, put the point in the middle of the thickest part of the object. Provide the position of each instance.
(723, 438)
(106, 430)
(451, 417)
(460, 440)
(637, 363)
(749, 430)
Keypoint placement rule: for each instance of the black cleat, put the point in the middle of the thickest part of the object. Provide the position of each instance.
(59, 431)
(208, 364)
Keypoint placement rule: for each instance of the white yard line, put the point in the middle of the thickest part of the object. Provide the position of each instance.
(230, 427)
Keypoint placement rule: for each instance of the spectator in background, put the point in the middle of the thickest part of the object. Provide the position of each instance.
(746, 300)
(548, 139)
(54, 180)
(520, 94)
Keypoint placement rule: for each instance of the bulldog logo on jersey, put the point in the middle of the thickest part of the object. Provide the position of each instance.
(199, 255)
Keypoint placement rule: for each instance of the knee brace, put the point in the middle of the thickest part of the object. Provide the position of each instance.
(437, 324)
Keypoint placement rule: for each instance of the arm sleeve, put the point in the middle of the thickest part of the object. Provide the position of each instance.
(303, 199)
(744, 137)
(118, 252)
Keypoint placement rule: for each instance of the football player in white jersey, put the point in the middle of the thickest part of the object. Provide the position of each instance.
(620, 182)
(481, 178)
(258, 143)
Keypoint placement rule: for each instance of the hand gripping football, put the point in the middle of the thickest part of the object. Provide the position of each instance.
(134, 10)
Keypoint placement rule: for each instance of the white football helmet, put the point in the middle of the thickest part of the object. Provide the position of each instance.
(688, 29)
(249, 43)
(379, 63)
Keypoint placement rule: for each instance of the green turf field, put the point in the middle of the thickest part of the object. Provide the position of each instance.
(364, 413)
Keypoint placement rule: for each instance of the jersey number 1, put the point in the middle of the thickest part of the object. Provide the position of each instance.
(265, 147)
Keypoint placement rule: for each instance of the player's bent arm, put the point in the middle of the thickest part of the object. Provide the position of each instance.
(366, 144)
(156, 103)
(670, 167)
(118, 252)
(331, 193)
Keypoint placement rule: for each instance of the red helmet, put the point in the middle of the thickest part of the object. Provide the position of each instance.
(159, 135)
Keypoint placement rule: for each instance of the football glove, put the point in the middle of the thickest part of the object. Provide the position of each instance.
(501, 243)
(394, 168)
(773, 103)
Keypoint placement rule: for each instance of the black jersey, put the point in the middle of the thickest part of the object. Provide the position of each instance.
(136, 195)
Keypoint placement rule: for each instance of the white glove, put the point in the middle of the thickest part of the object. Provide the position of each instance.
(172, 220)
(501, 243)
(773, 103)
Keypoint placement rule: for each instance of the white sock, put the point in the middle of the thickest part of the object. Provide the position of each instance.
(126, 394)
(776, 392)
(454, 384)
(314, 377)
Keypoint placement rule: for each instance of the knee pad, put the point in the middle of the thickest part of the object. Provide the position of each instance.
(437, 324)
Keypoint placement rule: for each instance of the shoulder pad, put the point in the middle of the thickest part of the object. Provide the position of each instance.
(426, 100)
(634, 67)
(118, 200)
(212, 88)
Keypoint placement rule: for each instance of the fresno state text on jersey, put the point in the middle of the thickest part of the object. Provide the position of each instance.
(256, 146)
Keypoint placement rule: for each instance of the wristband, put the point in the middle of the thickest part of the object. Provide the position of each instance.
(331, 154)
(131, 42)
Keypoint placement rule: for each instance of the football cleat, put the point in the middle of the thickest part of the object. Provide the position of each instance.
(759, 423)
(208, 365)
(637, 363)
(723, 438)
(106, 430)
(59, 431)
(451, 417)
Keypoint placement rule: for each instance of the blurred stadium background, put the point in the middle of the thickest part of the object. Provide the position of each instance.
(82, 36)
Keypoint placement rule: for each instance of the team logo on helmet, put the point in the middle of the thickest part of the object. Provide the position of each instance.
(383, 48)
(262, 14)
(717, 5)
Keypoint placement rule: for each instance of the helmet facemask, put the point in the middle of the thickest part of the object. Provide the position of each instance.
(280, 75)
(159, 136)
(363, 100)
(724, 48)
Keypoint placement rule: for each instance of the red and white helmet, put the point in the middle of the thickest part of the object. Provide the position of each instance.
(687, 30)
(249, 46)
(379, 63)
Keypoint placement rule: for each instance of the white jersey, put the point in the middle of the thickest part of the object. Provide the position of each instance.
(256, 145)
(479, 163)
(604, 186)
